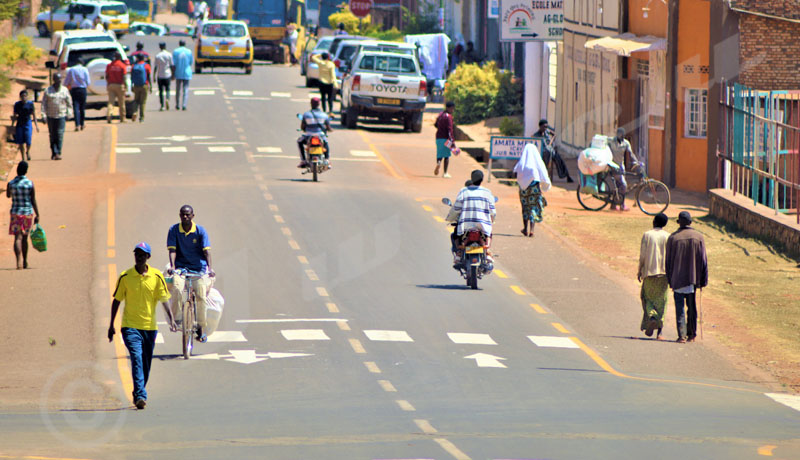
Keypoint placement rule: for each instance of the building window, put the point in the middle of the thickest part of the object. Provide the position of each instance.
(696, 115)
(553, 64)
(643, 68)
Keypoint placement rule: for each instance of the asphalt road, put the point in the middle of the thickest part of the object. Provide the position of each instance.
(347, 335)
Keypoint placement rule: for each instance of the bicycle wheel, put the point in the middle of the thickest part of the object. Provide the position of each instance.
(188, 329)
(652, 197)
(606, 189)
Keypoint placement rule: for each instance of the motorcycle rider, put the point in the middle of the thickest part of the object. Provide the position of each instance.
(314, 122)
(474, 207)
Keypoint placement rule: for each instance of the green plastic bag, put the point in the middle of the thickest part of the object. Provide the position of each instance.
(38, 238)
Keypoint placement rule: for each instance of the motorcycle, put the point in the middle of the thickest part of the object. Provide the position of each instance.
(315, 155)
(472, 246)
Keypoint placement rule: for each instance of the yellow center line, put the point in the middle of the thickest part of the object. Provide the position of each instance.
(372, 367)
(119, 347)
(302, 260)
(273, 207)
(357, 347)
(312, 275)
(607, 367)
(332, 307)
(518, 290)
(500, 273)
(438, 219)
(425, 426)
(452, 449)
(110, 253)
(111, 224)
(538, 308)
(372, 147)
(112, 156)
(387, 386)
(405, 405)
(766, 451)
(322, 292)
(343, 325)
(279, 219)
(560, 328)
(293, 244)
(427, 208)
(286, 231)
(267, 196)
(37, 457)
(263, 187)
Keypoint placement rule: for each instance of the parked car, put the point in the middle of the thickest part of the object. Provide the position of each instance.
(95, 56)
(348, 50)
(312, 70)
(224, 43)
(387, 86)
(312, 44)
(64, 38)
(147, 28)
(113, 14)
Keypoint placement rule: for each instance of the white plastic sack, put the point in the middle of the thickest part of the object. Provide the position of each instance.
(596, 158)
(214, 306)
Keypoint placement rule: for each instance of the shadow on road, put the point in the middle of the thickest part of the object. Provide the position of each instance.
(646, 339)
(168, 357)
(118, 409)
(445, 287)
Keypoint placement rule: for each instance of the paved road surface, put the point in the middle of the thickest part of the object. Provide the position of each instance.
(346, 334)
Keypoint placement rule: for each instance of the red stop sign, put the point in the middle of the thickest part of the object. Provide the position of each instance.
(360, 8)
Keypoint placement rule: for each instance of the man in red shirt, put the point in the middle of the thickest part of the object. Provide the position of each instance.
(115, 84)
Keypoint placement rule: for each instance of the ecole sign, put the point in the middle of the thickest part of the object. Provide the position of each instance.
(360, 8)
(531, 20)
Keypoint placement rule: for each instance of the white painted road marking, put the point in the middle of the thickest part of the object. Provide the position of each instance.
(279, 94)
(160, 338)
(388, 336)
(203, 92)
(485, 360)
(128, 150)
(242, 93)
(248, 356)
(295, 157)
(304, 334)
(291, 320)
(269, 150)
(792, 401)
(249, 98)
(471, 339)
(221, 149)
(227, 336)
(552, 342)
(180, 149)
(362, 153)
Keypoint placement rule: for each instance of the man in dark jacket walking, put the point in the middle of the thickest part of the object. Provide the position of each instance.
(687, 271)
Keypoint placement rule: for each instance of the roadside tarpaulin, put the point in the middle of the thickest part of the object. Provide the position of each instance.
(432, 54)
(627, 43)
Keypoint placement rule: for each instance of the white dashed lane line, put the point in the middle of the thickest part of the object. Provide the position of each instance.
(388, 336)
(471, 339)
(203, 92)
(279, 94)
(179, 149)
(242, 93)
(304, 334)
(552, 342)
(221, 149)
(128, 150)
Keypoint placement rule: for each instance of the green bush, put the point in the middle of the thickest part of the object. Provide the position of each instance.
(392, 35)
(511, 127)
(5, 84)
(509, 99)
(16, 49)
(482, 92)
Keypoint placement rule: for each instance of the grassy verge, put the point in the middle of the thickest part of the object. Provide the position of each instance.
(752, 303)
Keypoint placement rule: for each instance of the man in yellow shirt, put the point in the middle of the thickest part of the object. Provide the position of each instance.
(327, 80)
(141, 287)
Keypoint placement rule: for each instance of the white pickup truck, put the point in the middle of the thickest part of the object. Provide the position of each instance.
(387, 86)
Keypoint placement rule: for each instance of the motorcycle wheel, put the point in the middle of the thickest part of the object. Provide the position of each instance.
(472, 277)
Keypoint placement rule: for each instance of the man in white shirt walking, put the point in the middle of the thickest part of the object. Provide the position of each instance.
(653, 276)
(162, 70)
(57, 107)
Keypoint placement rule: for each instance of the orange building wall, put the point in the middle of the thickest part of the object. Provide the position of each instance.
(691, 155)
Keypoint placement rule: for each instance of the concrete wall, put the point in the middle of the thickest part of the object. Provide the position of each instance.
(759, 220)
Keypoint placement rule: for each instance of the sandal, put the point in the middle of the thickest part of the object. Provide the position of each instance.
(524, 232)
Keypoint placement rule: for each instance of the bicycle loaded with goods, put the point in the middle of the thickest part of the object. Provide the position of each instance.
(598, 188)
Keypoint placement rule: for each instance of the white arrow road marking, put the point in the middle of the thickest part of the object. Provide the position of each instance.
(276, 355)
(227, 336)
(552, 342)
(388, 336)
(245, 356)
(278, 94)
(485, 360)
(304, 334)
(179, 149)
(471, 339)
(242, 93)
(792, 401)
(160, 338)
(129, 150)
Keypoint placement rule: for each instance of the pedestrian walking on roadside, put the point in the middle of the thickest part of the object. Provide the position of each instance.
(24, 118)
(116, 86)
(687, 272)
(620, 147)
(653, 276)
(78, 80)
(182, 73)
(139, 51)
(445, 138)
(190, 11)
(141, 287)
(142, 84)
(532, 179)
(327, 80)
(71, 24)
(57, 106)
(162, 71)
(86, 23)
(24, 212)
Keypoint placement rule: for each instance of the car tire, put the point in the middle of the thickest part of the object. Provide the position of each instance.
(416, 122)
(352, 118)
(42, 29)
(342, 114)
(248, 69)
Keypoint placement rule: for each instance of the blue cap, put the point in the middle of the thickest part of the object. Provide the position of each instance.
(143, 246)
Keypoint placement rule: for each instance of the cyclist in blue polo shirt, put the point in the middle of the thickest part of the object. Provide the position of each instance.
(189, 247)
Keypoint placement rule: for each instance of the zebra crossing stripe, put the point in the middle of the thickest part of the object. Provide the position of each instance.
(128, 150)
(388, 336)
(179, 149)
(221, 149)
(552, 342)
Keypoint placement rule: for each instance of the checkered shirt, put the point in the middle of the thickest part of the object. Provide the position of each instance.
(21, 191)
(57, 104)
(475, 208)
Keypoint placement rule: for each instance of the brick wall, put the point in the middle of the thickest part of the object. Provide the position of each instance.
(783, 8)
(769, 50)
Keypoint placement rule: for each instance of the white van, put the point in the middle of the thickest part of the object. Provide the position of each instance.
(64, 38)
(113, 15)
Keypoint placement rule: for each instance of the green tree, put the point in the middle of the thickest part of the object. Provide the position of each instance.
(8, 9)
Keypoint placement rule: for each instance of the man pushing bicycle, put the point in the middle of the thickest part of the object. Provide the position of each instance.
(189, 247)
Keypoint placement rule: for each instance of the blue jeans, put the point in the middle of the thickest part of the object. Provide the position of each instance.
(79, 105)
(686, 329)
(140, 344)
(181, 88)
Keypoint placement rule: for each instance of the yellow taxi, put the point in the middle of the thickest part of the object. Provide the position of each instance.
(224, 43)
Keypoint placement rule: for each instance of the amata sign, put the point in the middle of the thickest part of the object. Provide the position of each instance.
(531, 20)
(360, 8)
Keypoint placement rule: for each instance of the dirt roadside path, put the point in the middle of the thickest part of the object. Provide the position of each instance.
(594, 293)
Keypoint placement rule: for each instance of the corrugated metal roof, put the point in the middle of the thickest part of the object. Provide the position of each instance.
(789, 9)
